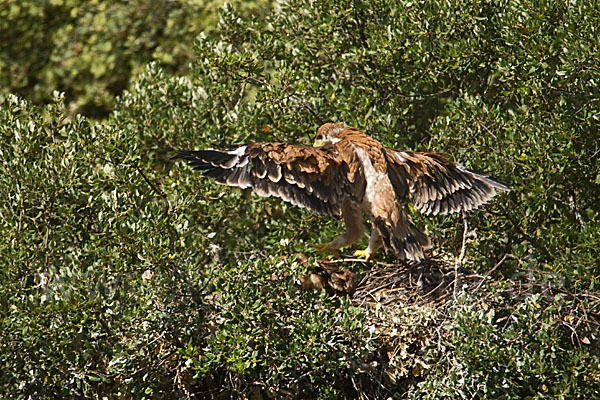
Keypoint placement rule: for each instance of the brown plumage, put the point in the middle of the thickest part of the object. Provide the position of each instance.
(351, 172)
(330, 278)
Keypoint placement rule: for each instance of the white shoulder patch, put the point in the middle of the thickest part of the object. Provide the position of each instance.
(239, 151)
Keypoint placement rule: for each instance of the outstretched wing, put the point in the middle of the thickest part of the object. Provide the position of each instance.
(436, 185)
(317, 178)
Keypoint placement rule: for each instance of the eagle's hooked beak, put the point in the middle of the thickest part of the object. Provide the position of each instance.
(318, 143)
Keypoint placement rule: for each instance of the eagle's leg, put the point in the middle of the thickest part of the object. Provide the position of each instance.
(352, 216)
(375, 242)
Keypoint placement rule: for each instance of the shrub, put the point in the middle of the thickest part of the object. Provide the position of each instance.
(124, 276)
(92, 51)
(510, 352)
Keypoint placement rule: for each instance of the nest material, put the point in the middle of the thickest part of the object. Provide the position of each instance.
(437, 283)
(406, 304)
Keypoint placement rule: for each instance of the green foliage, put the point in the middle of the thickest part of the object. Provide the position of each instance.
(516, 353)
(110, 266)
(92, 50)
(78, 234)
(269, 335)
(537, 117)
(123, 276)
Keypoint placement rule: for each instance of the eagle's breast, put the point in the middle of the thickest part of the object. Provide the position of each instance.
(379, 199)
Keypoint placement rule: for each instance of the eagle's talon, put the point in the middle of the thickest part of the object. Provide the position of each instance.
(363, 254)
(324, 248)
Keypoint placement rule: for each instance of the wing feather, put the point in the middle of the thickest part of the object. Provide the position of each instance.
(317, 178)
(436, 185)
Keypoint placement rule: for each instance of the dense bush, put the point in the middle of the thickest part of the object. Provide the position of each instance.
(123, 275)
(92, 50)
(515, 352)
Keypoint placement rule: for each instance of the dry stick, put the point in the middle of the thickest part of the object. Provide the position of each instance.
(458, 264)
(242, 92)
(308, 107)
(507, 255)
(158, 191)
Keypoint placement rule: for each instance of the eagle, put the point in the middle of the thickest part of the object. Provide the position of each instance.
(350, 172)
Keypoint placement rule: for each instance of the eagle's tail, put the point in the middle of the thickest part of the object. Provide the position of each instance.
(404, 239)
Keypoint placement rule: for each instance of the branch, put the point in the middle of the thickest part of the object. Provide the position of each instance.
(507, 255)
(156, 190)
(466, 235)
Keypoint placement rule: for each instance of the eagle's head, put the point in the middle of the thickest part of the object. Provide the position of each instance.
(328, 134)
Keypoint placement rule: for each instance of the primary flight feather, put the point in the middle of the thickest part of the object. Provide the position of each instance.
(351, 172)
